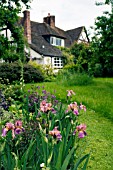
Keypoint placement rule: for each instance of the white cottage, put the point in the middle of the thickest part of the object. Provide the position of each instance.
(44, 37)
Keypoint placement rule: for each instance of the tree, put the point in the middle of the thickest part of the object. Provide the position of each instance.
(82, 56)
(102, 42)
(9, 10)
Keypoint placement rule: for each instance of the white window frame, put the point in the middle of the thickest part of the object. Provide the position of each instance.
(57, 62)
(56, 41)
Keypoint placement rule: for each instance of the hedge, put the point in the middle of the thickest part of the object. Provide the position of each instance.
(12, 72)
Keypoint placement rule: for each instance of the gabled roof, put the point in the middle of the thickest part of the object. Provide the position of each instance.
(41, 31)
(44, 29)
(75, 33)
(39, 44)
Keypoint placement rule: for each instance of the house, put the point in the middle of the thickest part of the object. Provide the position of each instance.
(43, 38)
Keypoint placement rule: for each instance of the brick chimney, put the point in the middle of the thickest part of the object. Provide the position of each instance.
(27, 25)
(50, 20)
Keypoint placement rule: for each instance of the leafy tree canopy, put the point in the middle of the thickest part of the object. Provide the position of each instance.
(9, 10)
(103, 41)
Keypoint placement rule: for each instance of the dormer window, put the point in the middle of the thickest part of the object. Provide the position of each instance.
(56, 41)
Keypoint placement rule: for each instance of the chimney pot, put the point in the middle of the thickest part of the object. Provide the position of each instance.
(50, 20)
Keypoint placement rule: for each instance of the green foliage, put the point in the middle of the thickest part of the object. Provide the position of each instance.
(67, 56)
(12, 72)
(37, 66)
(102, 43)
(13, 48)
(72, 78)
(32, 74)
(82, 56)
(46, 70)
(99, 117)
(48, 141)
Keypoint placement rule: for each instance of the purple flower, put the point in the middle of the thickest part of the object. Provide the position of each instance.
(38, 87)
(56, 133)
(53, 111)
(81, 129)
(45, 107)
(18, 123)
(82, 107)
(16, 129)
(8, 126)
(73, 107)
(4, 131)
(82, 134)
(59, 136)
(53, 97)
(75, 111)
(70, 93)
(44, 97)
(44, 91)
(19, 130)
(56, 102)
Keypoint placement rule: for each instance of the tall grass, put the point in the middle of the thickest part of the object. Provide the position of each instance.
(67, 78)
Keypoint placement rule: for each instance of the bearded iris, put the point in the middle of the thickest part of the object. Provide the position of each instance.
(15, 128)
(56, 133)
(81, 130)
(45, 107)
(70, 93)
(73, 107)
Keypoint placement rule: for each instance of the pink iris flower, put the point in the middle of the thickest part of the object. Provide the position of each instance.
(55, 133)
(82, 107)
(81, 129)
(73, 107)
(45, 107)
(70, 93)
(8, 126)
(16, 129)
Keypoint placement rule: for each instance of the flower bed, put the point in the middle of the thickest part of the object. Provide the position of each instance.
(42, 133)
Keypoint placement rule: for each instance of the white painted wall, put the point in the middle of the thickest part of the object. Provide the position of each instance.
(40, 59)
(8, 34)
(44, 60)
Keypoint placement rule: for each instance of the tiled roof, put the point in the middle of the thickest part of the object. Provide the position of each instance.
(41, 30)
(75, 33)
(45, 29)
(40, 45)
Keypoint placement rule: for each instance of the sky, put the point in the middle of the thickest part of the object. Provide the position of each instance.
(69, 14)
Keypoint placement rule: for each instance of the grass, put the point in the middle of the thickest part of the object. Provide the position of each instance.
(98, 97)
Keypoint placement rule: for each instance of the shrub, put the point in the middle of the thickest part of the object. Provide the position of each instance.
(46, 70)
(37, 66)
(12, 72)
(32, 74)
(70, 67)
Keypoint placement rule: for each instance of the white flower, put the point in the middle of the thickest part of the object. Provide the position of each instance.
(42, 165)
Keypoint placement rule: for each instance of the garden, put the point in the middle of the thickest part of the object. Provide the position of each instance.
(56, 121)
(57, 125)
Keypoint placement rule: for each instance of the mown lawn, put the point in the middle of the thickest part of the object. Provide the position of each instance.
(98, 97)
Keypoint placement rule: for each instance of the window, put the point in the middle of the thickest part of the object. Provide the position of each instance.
(58, 62)
(56, 41)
